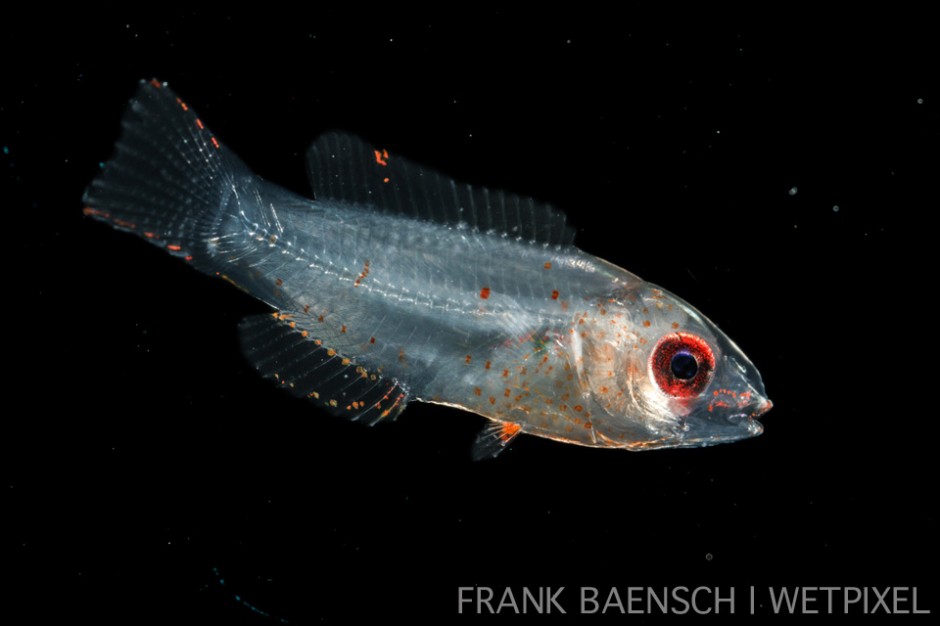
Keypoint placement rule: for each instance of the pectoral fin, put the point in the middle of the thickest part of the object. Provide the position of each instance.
(494, 438)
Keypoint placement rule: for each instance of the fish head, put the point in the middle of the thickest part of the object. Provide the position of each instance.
(662, 375)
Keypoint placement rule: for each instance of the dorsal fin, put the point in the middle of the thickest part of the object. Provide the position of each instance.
(343, 167)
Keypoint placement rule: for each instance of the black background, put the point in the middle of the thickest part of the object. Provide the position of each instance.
(149, 473)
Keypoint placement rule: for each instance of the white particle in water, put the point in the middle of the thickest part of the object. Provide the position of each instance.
(835, 209)
(793, 191)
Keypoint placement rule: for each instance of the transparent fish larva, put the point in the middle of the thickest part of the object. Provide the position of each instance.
(397, 284)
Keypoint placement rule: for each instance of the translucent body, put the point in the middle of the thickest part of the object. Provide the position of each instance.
(473, 299)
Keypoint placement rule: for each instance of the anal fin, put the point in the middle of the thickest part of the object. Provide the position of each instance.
(307, 369)
(493, 439)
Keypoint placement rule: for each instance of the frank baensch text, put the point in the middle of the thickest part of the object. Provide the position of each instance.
(689, 600)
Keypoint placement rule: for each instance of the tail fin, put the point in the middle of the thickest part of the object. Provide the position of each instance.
(169, 180)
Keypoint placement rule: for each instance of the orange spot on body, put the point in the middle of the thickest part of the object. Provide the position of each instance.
(548, 265)
(468, 359)
(331, 352)
(188, 257)
(200, 124)
(487, 366)
(155, 83)
(555, 294)
(182, 104)
(306, 308)
(675, 325)
(578, 408)
(174, 247)
(381, 157)
(507, 392)
(646, 323)
(215, 142)
(478, 391)
(304, 334)
(492, 400)
(385, 180)
(485, 293)
(279, 282)
(371, 339)
(342, 329)
(362, 274)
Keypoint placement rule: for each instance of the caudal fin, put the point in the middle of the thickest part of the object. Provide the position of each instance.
(170, 180)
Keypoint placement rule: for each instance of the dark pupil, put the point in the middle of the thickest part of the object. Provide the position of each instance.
(684, 366)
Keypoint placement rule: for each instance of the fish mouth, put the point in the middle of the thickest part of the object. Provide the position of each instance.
(762, 407)
(742, 423)
(748, 417)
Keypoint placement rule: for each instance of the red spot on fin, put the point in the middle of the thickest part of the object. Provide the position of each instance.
(123, 223)
(95, 212)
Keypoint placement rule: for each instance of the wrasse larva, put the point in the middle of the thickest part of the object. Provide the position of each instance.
(397, 284)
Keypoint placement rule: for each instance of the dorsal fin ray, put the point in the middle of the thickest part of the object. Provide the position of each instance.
(344, 168)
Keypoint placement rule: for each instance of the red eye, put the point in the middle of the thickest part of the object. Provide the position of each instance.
(682, 365)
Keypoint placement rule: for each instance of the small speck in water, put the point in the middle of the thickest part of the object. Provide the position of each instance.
(708, 556)
(835, 208)
(920, 101)
(793, 191)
